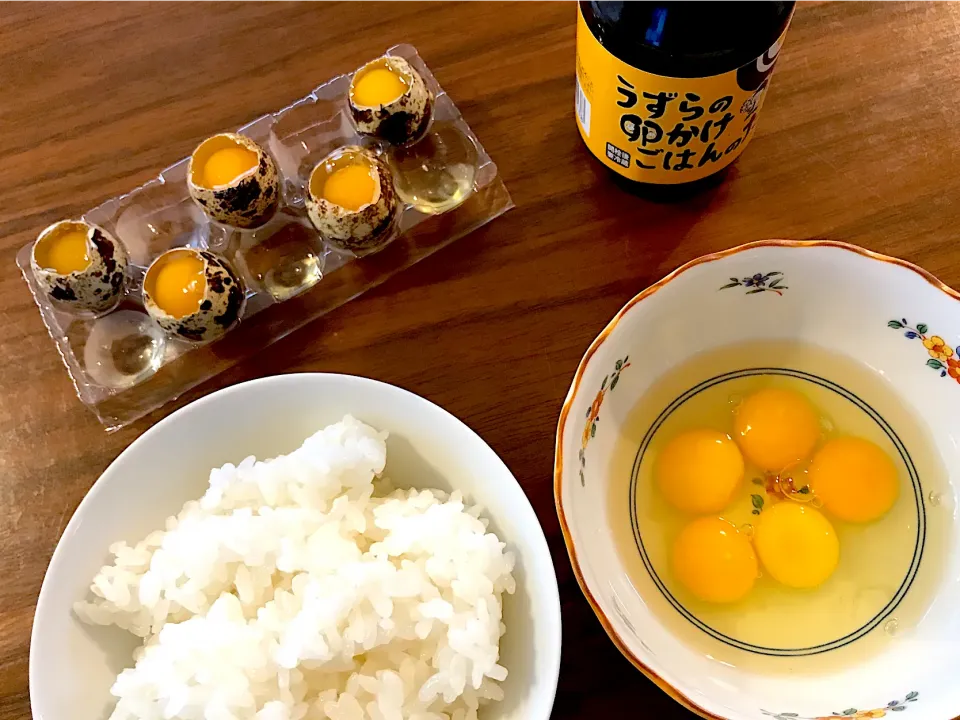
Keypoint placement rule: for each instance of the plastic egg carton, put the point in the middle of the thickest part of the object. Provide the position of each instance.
(160, 215)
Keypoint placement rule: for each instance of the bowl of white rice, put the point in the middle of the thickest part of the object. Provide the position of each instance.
(304, 546)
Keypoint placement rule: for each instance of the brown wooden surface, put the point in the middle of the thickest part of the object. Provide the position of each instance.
(857, 142)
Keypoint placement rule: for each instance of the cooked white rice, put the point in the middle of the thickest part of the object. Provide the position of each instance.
(289, 591)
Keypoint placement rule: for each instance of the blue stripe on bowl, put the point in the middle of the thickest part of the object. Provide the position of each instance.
(884, 425)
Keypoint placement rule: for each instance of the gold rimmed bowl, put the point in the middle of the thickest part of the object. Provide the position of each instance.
(892, 329)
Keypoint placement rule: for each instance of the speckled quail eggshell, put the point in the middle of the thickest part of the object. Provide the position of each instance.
(357, 230)
(98, 287)
(247, 202)
(222, 303)
(402, 120)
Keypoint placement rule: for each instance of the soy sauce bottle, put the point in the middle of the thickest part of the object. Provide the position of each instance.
(668, 93)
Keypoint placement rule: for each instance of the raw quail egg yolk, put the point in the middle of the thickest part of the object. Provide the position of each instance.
(796, 544)
(227, 164)
(65, 253)
(178, 284)
(699, 470)
(351, 187)
(378, 87)
(776, 428)
(855, 479)
(714, 561)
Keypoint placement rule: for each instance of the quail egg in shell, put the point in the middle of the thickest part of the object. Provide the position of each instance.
(193, 294)
(234, 181)
(389, 100)
(351, 200)
(80, 266)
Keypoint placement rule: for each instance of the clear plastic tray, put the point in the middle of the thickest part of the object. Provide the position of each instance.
(160, 215)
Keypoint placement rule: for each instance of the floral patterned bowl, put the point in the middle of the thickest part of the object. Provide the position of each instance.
(899, 324)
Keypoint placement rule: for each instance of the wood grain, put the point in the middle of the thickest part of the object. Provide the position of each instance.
(856, 142)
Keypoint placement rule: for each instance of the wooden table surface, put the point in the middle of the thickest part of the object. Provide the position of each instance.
(857, 142)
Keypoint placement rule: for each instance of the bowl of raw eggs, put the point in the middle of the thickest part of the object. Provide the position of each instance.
(754, 477)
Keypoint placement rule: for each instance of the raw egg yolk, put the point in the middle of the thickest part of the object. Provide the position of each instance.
(351, 187)
(227, 164)
(714, 561)
(699, 470)
(179, 284)
(776, 428)
(797, 544)
(66, 253)
(378, 87)
(855, 479)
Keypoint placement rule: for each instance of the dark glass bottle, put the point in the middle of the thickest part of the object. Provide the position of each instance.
(668, 92)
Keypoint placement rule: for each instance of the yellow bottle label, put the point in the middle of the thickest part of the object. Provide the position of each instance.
(665, 130)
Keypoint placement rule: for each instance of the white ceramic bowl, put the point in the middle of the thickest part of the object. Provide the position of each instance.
(72, 666)
(899, 325)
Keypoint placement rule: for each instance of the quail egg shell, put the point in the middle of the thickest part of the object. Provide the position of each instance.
(351, 200)
(79, 266)
(389, 100)
(193, 294)
(234, 181)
